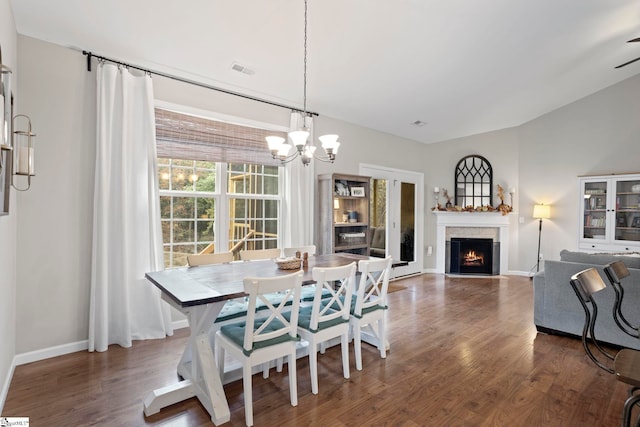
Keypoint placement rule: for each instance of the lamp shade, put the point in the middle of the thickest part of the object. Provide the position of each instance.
(274, 142)
(299, 138)
(542, 211)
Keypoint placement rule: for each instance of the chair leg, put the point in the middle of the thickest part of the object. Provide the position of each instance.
(248, 394)
(382, 342)
(313, 366)
(628, 407)
(279, 362)
(265, 370)
(357, 345)
(345, 354)
(293, 380)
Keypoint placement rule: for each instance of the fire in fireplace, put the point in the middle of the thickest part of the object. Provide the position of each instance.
(473, 256)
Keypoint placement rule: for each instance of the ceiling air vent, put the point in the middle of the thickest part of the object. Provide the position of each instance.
(242, 69)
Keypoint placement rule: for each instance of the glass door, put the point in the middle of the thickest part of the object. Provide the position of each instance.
(627, 218)
(396, 216)
(594, 224)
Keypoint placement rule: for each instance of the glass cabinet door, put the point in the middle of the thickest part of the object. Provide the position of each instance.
(627, 217)
(594, 224)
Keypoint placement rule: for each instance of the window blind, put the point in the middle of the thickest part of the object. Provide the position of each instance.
(183, 136)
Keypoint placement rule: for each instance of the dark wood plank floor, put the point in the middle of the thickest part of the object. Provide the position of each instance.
(464, 352)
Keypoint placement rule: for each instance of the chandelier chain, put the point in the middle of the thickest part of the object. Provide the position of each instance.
(304, 106)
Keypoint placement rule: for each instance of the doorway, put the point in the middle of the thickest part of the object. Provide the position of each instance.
(397, 216)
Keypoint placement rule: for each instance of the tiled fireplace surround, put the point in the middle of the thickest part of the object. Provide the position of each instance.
(490, 225)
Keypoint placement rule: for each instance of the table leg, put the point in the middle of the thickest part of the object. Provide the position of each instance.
(200, 373)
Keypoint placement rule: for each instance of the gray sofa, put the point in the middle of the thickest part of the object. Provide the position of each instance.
(557, 309)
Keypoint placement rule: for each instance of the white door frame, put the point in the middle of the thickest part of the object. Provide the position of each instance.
(393, 215)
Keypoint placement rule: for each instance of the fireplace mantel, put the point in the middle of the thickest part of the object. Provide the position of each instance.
(448, 219)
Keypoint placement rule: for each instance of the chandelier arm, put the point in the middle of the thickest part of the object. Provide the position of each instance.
(326, 159)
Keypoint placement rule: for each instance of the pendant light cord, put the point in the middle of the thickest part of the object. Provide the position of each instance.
(304, 106)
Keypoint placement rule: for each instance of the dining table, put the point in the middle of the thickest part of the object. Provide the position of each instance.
(200, 293)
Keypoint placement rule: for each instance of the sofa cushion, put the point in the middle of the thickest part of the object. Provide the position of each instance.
(631, 260)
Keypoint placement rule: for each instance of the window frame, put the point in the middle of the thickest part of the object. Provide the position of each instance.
(221, 195)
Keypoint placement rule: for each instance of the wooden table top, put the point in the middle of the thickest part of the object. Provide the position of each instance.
(191, 286)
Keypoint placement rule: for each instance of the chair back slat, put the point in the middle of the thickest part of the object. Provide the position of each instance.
(251, 255)
(373, 286)
(338, 282)
(589, 282)
(208, 259)
(275, 325)
(616, 271)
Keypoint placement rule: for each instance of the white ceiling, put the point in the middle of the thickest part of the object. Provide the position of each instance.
(462, 66)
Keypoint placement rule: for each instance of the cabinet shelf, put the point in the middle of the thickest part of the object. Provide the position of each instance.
(608, 211)
(349, 247)
(336, 204)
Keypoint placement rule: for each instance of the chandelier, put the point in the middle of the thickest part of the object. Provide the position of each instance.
(305, 149)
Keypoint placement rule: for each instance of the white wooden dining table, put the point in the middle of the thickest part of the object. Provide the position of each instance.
(200, 294)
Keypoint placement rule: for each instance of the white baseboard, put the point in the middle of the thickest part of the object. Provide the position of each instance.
(179, 324)
(47, 353)
(7, 383)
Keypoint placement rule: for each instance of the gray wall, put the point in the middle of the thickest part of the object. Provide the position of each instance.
(599, 134)
(8, 226)
(55, 229)
(500, 148)
(541, 159)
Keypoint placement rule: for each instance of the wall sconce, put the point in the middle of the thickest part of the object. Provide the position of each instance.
(23, 151)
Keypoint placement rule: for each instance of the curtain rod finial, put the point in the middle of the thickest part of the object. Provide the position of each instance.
(89, 56)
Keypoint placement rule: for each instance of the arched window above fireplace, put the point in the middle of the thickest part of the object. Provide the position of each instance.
(474, 182)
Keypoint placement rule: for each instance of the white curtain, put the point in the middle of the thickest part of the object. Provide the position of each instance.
(127, 239)
(299, 200)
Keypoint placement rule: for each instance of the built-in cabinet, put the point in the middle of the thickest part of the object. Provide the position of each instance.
(343, 214)
(610, 213)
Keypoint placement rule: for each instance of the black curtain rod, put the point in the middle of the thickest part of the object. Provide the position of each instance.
(90, 55)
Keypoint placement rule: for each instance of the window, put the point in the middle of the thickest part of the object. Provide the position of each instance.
(207, 204)
(474, 182)
(187, 208)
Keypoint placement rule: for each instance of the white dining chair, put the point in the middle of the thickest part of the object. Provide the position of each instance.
(368, 309)
(328, 318)
(256, 254)
(271, 336)
(289, 252)
(207, 259)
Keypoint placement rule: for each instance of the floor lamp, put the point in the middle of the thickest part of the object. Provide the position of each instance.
(540, 212)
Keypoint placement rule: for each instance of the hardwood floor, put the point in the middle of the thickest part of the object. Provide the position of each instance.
(464, 352)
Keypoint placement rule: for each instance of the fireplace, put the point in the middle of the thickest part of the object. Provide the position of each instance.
(473, 256)
(478, 225)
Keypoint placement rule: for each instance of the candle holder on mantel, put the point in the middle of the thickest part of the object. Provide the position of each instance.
(23, 151)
